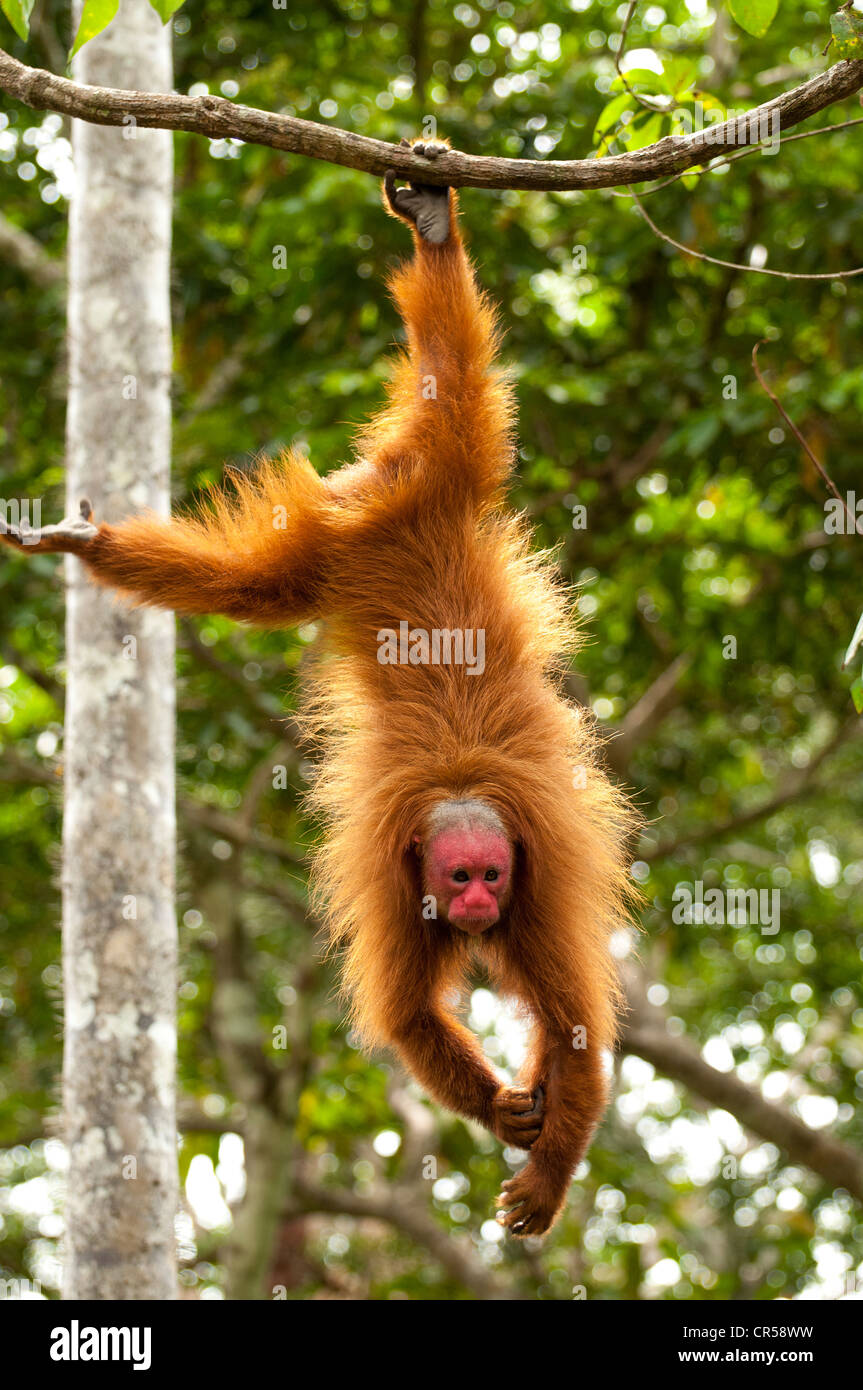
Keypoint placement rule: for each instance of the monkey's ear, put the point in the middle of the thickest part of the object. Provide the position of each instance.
(416, 845)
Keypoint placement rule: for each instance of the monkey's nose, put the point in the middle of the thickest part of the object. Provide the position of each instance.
(475, 895)
(476, 905)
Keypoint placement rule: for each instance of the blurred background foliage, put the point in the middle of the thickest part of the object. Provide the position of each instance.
(704, 522)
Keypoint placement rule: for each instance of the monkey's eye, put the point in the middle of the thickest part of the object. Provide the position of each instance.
(491, 875)
(461, 876)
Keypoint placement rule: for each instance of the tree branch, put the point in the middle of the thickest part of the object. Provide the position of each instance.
(801, 782)
(837, 1164)
(34, 673)
(17, 771)
(400, 1209)
(28, 254)
(270, 715)
(661, 696)
(220, 118)
(232, 829)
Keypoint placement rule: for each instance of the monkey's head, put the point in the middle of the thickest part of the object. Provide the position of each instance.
(467, 863)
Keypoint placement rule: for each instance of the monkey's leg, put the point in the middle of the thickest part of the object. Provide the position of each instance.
(257, 556)
(576, 1094)
(450, 408)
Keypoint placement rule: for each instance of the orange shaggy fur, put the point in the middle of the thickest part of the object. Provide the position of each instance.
(417, 530)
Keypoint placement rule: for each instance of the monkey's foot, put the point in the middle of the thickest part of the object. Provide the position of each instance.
(530, 1201)
(517, 1115)
(429, 149)
(422, 204)
(70, 535)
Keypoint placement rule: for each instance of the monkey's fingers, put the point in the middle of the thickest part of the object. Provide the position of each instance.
(510, 1203)
(392, 191)
(70, 535)
(524, 1120)
(536, 1224)
(514, 1100)
(425, 207)
(519, 1101)
(518, 1116)
(521, 1135)
(521, 1210)
(539, 1100)
(429, 149)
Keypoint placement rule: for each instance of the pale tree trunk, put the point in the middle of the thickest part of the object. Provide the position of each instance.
(119, 950)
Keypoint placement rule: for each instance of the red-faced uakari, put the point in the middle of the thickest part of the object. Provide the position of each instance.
(467, 815)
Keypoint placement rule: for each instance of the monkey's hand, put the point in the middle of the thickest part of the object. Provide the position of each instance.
(425, 206)
(72, 535)
(517, 1115)
(531, 1200)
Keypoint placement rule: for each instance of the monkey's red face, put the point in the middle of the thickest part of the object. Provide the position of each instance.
(468, 870)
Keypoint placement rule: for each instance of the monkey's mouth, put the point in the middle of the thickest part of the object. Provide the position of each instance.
(474, 926)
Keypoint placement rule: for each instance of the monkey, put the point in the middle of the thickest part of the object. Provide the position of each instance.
(468, 819)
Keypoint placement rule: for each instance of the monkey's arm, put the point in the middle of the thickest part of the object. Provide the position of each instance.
(576, 1095)
(569, 1002)
(450, 407)
(257, 555)
(446, 1059)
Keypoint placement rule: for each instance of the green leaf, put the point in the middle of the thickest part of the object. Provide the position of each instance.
(679, 75)
(755, 16)
(95, 16)
(857, 694)
(165, 8)
(847, 29)
(641, 79)
(610, 114)
(642, 133)
(711, 103)
(18, 13)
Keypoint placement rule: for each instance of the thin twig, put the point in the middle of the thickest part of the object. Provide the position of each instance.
(791, 425)
(735, 265)
(618, 59)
